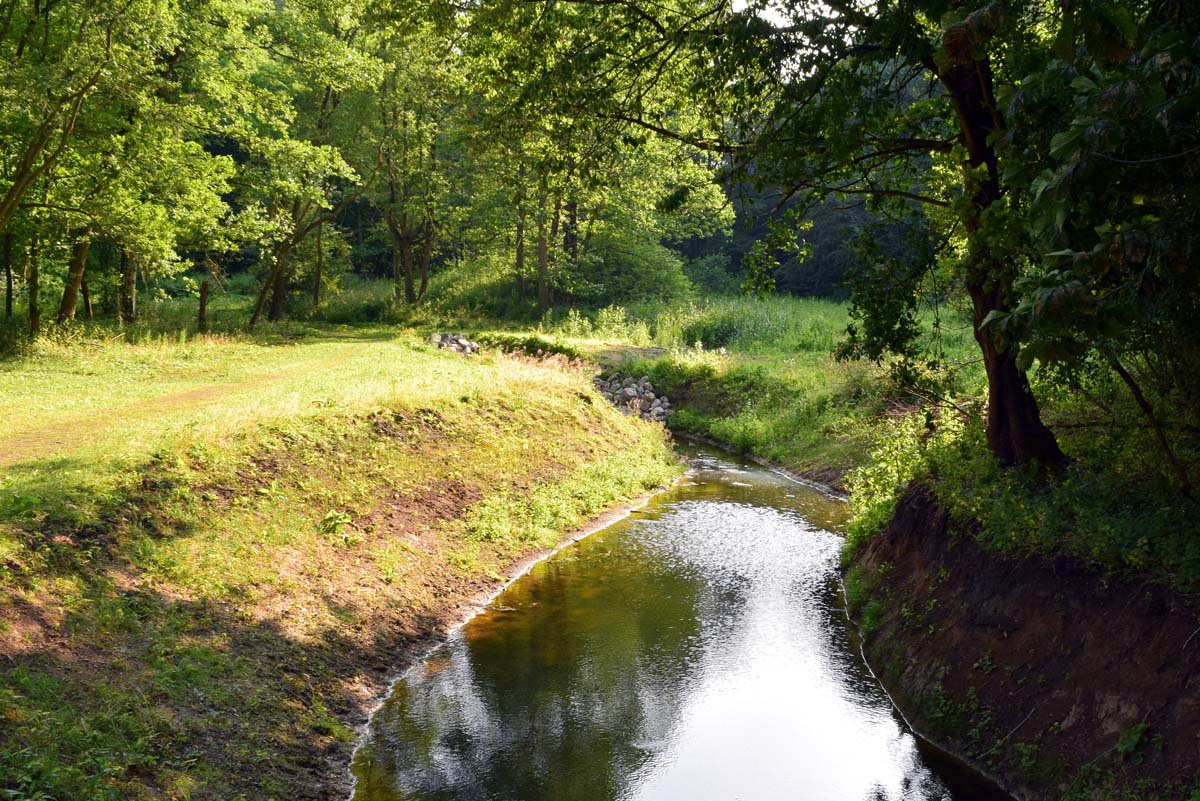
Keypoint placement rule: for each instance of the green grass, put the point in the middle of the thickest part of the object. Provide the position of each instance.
(757, 376)
(760, 378)
(82, 417)
(194, 594)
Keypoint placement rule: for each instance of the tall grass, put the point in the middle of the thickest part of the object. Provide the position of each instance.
(778, 324)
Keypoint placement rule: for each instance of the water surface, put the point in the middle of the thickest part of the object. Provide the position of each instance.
(696, 651)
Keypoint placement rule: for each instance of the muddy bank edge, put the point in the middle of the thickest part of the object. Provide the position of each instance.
(1059, 682)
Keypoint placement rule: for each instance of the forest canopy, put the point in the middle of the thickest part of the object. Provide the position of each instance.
(1032, 161)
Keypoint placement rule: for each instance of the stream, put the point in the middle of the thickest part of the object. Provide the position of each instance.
(696, 651)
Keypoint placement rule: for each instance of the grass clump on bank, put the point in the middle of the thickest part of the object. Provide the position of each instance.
(211, 611)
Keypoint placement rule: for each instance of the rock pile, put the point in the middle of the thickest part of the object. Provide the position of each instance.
(455, 342)
(635, 397)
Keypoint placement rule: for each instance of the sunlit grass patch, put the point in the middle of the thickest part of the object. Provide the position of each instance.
(191, 614)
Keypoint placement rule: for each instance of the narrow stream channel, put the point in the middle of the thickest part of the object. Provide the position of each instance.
(696, 651)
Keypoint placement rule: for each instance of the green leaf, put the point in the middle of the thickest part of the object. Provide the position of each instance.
(1064, 143)
(994, 318)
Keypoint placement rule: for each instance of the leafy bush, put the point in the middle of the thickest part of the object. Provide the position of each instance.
(529, 344)
(614, 322)
(622, 267)
(576, 325)
(713, 274)
(14, 337)
(897, 457)
(484, 287)
(356, 301)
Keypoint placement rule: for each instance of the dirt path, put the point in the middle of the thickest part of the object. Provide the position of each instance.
(73, 432)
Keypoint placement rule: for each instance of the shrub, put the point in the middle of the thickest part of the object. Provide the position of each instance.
(623, 266)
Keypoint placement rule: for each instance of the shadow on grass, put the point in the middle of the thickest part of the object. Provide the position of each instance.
(115, 683)
(155, 694)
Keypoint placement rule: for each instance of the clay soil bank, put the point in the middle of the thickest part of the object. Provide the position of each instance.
(1058, 682)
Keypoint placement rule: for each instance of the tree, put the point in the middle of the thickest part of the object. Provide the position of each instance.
(1111, 201)
(310, 56)
(844, 99)
(415, 105)
(56, 60)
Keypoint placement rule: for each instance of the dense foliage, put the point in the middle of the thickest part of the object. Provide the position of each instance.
(1038, 153)
(1030, 164)
(143, 142)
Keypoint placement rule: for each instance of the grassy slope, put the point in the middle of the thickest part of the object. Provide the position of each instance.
(759, 376)
(200, 611)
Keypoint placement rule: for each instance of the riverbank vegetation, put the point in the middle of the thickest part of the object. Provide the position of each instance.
(204, 593)
(226, 229)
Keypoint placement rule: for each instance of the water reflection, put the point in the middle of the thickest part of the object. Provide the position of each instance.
(695, 651)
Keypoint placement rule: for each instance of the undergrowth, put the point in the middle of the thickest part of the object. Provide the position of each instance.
(1120, 515)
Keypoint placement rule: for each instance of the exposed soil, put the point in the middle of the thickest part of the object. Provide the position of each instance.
(1059, 682)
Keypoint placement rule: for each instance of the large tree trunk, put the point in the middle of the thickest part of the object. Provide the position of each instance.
(8, 275)
(1015, 431)
(35, 311)
(127, 300)
(261, 301)
(78, 263)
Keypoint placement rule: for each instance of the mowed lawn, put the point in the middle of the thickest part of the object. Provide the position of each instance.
(101, 401)
(81, 421)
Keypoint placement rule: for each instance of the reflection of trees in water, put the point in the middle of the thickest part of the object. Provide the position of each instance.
(580, 692)
(560, 699)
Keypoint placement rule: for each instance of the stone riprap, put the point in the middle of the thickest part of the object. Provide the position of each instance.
(455, 342)
(634, 396)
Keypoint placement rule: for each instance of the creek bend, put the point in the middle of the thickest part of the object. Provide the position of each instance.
(695, 651)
